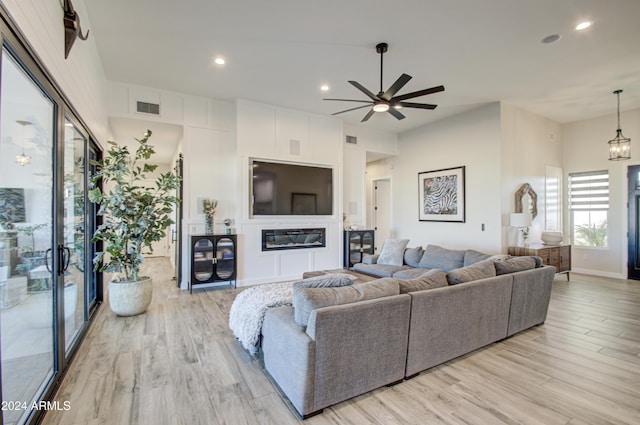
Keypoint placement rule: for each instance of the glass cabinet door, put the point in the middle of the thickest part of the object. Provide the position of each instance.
(225, 258)
(355, 243)
(367, 242)
(202, 260)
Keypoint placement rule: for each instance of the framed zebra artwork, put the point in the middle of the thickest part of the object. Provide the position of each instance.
(442, 195)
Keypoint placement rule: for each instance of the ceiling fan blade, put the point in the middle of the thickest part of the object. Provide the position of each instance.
(417, 105)
(351, 109)
(400, 82)
(364, 90)
(350, 100)
(417, 94)
(396, 113)
(366, 117)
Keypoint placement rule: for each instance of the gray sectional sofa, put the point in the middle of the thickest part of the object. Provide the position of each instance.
(345, 341)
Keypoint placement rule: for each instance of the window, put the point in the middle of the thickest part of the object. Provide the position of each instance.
(589, 206)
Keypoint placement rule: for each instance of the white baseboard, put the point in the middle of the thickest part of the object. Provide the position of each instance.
(600, 273)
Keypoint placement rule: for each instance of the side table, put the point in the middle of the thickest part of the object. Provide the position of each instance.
(558, 256)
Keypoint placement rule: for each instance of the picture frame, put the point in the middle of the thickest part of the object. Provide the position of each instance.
(441, 195)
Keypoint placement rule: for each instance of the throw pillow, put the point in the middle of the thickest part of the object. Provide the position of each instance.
(305, 300)
(326, 281)
(471, 256)
(514, 264)
(392, 252)
(412, 256)
(370, 258)
(431, 279)
(479, 270)
(437, 257)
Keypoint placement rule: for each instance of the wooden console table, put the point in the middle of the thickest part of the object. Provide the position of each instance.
(558, 256)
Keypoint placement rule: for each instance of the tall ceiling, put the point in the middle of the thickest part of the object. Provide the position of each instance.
(281, 51)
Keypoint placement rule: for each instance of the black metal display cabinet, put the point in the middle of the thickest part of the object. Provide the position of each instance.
(357, 243)
(213, 259)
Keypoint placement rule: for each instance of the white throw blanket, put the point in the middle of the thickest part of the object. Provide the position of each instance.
(248, 310)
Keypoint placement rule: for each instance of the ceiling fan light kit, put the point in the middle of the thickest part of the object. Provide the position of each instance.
(387, 101)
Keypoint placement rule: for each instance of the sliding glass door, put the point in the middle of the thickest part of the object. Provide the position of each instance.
(48, 288)
(28, 270)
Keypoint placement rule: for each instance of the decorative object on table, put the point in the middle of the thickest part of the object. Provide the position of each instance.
(551, 238)
(522, 221)
(227, 223)
(209, 209)
(135, 216)
(619, 146)
(442, 195)
(532, 208)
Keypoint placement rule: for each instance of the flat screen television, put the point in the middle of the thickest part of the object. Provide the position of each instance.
(279, 188)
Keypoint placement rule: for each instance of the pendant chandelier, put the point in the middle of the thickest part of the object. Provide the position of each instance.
(23, 159)
(619, 146)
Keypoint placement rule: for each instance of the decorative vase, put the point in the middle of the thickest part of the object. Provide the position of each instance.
(130, 298)
(208, 224)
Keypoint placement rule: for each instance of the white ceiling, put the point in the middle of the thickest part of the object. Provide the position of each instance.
(281, 51)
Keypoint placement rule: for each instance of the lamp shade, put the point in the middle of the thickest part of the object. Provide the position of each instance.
(520, 220)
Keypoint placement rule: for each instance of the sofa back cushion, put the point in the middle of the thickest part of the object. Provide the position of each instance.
(412, 256)
(305, 300)
(471, 256)
(392, 253)
(437, 257)
(514, 264)
(479, 270)
(434, 278)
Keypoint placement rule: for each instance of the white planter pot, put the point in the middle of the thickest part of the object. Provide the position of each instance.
(130, 298)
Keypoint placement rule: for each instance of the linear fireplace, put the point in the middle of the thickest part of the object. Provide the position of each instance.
(278, 239)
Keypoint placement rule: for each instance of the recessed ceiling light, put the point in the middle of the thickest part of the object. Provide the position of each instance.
(583, 25)
(219, 60)
(551, 39)
(324, 87)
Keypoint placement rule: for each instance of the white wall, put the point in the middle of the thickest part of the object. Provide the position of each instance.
(357, 194)
(585, 149)
(81, 76)
(530, 143)
(472, 140)
(267, 132)
(500, 146)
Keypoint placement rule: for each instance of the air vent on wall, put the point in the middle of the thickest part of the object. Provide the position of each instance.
(148, 108)
(353, 140)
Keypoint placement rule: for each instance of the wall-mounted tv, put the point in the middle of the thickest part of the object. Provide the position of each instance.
(280, 188)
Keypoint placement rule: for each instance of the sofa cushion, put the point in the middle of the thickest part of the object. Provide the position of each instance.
(412, 256)
(471, 256)
(430, 279)
(392, 253)
(326, 281)
(477, 271)
(370, 258)
(410, 273)
(378, 270)
(437, 257)
(305, 300)
(514, 264)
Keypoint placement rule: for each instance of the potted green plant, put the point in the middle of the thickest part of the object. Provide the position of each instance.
(135, 215)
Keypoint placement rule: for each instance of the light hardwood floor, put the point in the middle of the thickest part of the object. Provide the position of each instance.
(179, 364)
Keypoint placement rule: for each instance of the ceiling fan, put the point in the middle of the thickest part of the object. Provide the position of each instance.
(386, 101)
